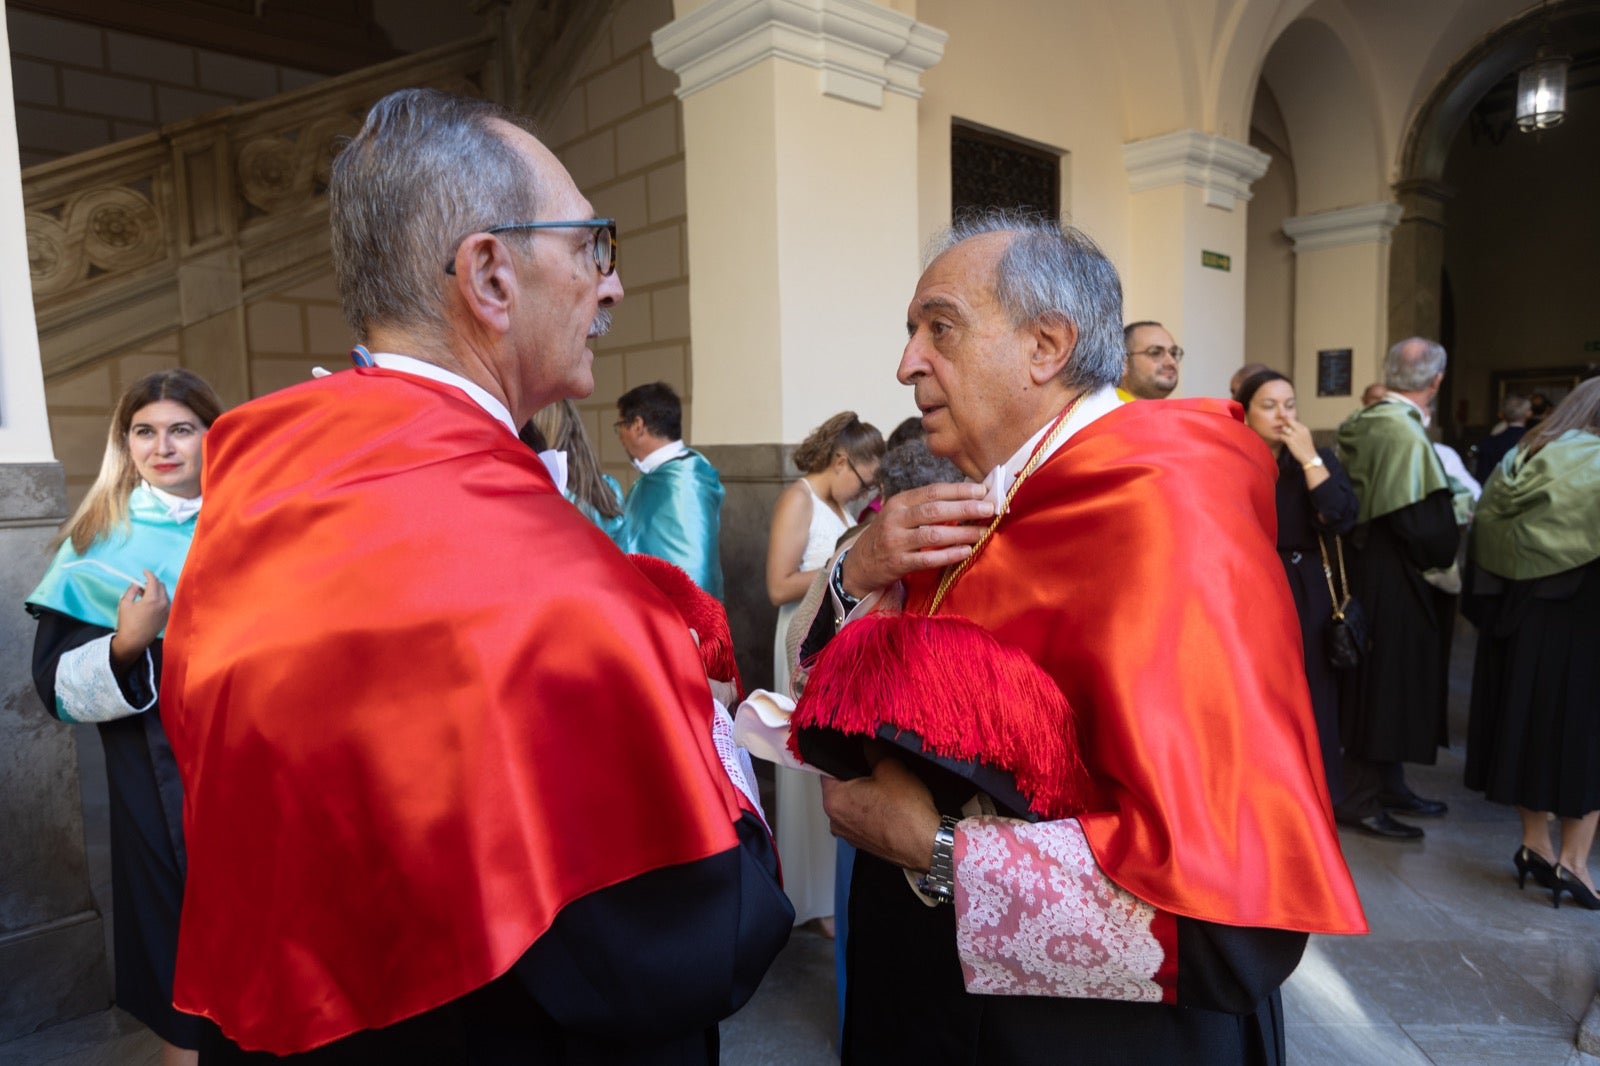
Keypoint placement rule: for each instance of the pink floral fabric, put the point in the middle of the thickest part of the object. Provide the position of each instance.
(1036, 917)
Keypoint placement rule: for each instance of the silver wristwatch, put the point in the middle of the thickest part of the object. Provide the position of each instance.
(940, 880)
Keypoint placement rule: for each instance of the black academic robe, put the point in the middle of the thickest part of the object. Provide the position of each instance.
(146, 812)
(664, 954)
(1304, 515)
(1392, 709)
(1533, 737)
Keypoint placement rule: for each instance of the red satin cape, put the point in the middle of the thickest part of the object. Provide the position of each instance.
(419, 704)
(1137, 567)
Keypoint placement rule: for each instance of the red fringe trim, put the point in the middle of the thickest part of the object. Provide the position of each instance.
(701, 612)
(967, 695)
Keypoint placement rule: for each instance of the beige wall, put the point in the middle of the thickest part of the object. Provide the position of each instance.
(619, 132)
(1270, 273)
(79, 87)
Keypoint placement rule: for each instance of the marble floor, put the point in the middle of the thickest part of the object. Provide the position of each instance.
(1460, 969)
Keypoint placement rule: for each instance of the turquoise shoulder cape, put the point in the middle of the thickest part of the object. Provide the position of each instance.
(675, 513)
(1390, 461)
(1540, 515)
(611, 527)
(89, 586)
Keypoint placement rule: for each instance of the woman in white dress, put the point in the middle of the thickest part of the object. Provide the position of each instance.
(838, 464)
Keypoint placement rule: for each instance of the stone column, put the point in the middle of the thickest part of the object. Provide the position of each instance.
(800, 138)
(52, 942)
(1416, 260)
(1187, 241)
(1341, 278)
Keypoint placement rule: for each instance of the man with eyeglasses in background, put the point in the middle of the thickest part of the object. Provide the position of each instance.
(454, 791)
(674, 510)
(1151, 372)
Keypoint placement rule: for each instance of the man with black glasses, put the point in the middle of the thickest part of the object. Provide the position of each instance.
(1151, 372)
(454, 793)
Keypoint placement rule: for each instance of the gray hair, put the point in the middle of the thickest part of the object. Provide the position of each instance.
(1514, 408)
(427, 169)
(1053, 272)
(1412, 364)
(911, 466)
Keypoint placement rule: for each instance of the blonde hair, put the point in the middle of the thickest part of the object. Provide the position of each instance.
(105, 507)
(562, 428)
(1580, 410)
(859, 440)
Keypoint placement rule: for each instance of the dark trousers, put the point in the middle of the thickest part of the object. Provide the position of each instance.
(1367, 783)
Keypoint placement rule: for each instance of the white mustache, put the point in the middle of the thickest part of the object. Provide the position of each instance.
(601, 324)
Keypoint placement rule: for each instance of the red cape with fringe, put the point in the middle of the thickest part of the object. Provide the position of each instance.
(419, 703)
(1137, 567)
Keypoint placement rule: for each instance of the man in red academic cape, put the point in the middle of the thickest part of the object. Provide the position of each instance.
(452, 790)
(1127, 551)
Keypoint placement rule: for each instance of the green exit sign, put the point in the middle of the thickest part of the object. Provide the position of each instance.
(1216, 261)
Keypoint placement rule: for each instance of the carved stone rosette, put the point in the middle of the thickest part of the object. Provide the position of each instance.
(104, 230)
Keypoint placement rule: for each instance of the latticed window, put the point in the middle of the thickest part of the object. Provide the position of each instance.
(990, 170)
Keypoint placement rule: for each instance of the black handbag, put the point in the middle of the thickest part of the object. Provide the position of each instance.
(1346, 638)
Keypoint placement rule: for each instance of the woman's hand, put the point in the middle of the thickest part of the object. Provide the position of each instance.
(1297, 438)
(141, 616)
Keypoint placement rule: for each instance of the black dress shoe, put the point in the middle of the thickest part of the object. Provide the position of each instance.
(1381, 825)
(1414, 805)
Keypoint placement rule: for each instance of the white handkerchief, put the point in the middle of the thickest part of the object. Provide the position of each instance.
(761, 726)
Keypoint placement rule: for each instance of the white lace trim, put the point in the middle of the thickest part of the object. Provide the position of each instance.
(735, 760)
(1036, 917)
(87, 690)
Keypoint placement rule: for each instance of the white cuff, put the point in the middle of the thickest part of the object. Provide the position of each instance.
(735, 760)
(87, 690)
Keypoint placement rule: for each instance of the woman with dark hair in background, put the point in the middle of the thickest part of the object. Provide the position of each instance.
(838, 464)
(1316, 503)
(102, 609)
(1533, 737)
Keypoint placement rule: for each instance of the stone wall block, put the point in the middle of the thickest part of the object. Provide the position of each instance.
(236, 76)
(668, 198)
(753, 475)
(34, 83)
(85, 388)
(591, 161)
(146, 57)
(635, 21)
(630, 326)
(614, 93)
(657, 364)
(52, 941)
(626, 202)
(654, 256)
(327, 333)
(671, 311)
(104, 94)
(274, 327)
(38, 35)
(58, 134)
(648, 138)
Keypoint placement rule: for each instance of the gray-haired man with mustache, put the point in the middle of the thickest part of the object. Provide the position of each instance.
(456, 787)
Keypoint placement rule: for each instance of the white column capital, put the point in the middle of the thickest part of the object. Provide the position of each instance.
(860, 49)
(1223, 168)
(1362, 224)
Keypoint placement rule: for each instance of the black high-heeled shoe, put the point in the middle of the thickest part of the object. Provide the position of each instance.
(1528, 862)
(1568, 882)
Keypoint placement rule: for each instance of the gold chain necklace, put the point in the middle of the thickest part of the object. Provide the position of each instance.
(954, 571)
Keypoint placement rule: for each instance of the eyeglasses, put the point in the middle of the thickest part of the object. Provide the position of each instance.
(1156, 352)
(605, 240)
(865, 483)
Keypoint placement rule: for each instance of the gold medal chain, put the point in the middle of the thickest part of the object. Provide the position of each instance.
(954, 571)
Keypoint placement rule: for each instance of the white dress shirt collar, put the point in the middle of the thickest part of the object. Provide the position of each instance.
(1000, 479)
(661, 455)
(179, 508)
(407, 365)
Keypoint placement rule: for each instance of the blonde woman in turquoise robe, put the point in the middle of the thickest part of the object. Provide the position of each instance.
(102, 610)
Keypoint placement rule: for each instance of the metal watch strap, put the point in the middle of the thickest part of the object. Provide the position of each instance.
(940, 880)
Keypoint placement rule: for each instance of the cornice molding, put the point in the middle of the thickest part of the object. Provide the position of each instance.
(1222, 167)
(1362, 224)
(859, 49)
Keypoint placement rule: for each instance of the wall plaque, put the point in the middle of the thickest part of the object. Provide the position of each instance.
(1333, 372)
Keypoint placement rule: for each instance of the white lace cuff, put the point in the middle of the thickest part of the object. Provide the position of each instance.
(87, 690)
(735, 760)
(1035, 916)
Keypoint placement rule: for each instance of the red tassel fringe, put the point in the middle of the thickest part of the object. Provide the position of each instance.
(967, 695)
(701, 612)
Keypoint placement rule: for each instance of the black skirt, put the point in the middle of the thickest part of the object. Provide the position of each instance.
(1533, 738)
